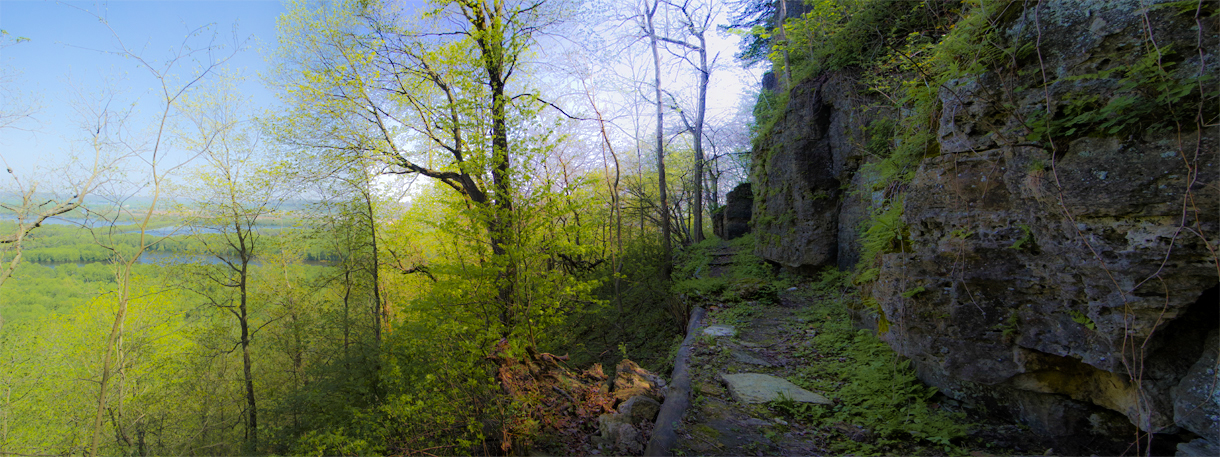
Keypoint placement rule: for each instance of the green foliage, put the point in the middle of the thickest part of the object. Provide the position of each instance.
(36, 290)
(1191, 7)
(748, 278)
(880, 134)
(1080, 318)
(1026, 241)
(884, 232)
(593, 333)
(1154, 93)
(837, 34)
(871, 386)
(52, 369)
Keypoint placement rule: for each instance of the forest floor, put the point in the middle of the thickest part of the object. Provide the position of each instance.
(804, 334)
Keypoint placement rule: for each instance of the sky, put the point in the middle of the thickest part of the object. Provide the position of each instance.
(69, 57)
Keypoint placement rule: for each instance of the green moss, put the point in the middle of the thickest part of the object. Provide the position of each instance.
(1011, 325)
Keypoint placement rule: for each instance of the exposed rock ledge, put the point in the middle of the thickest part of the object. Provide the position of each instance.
(1082, 297)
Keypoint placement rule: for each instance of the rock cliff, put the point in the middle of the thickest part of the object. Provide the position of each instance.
(1056, 251)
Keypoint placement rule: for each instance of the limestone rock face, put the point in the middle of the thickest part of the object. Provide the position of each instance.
(809, 154)
(733, 219)
(1196, 400)
(1073, 283)
(1040, 272)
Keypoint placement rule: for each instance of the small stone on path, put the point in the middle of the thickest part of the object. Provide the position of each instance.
(719, 330)
(747, 358)
(762, 388)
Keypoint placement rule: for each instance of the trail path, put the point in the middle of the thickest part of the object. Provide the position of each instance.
(760, 341)
(717, 424)
(774, 334)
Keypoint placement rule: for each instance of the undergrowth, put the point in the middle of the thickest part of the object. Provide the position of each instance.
(877, 397)
(747, 278)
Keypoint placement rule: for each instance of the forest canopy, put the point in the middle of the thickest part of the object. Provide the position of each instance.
(441, 185)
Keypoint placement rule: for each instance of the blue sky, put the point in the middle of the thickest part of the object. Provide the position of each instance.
(67, 54)
(69, 57)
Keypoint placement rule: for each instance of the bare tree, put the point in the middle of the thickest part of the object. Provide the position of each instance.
(152, 153)
(15, 108)
(647, 23)
(34, 208)
(695, 19)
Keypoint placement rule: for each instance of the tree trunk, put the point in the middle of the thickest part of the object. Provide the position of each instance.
(116, 332)
(786, 75)
(501, 180)
(667, 260)
(378, 307)
(700, 110)
(252, 408)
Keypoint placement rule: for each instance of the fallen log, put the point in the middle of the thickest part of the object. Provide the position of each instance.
(677, 400)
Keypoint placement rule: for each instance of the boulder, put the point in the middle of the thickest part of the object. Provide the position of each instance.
(1196, 400)
(735, 214)
(628, 440)
(630, 380)
(762, 388)
(616, 430)
(749, 359)
(639, 409)
(1198, 448)
(799, 170)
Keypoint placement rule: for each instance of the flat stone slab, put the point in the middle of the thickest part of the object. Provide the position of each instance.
(719, 330)
(762, 388)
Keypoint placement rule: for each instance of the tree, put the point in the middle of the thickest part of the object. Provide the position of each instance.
(29, 213)
(237, 189)
(364, 83)
(150, 152)
(695, 21)
(755, 19)
(14, 108)
(648, 25)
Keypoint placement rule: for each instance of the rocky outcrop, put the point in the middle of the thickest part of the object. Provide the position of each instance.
(1196, 400)
(798, 185)
(733, 219)
(1070, 280)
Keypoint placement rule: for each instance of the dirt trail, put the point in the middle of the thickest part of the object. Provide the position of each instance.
(758, 330)
(762, 342)
(716, 424)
